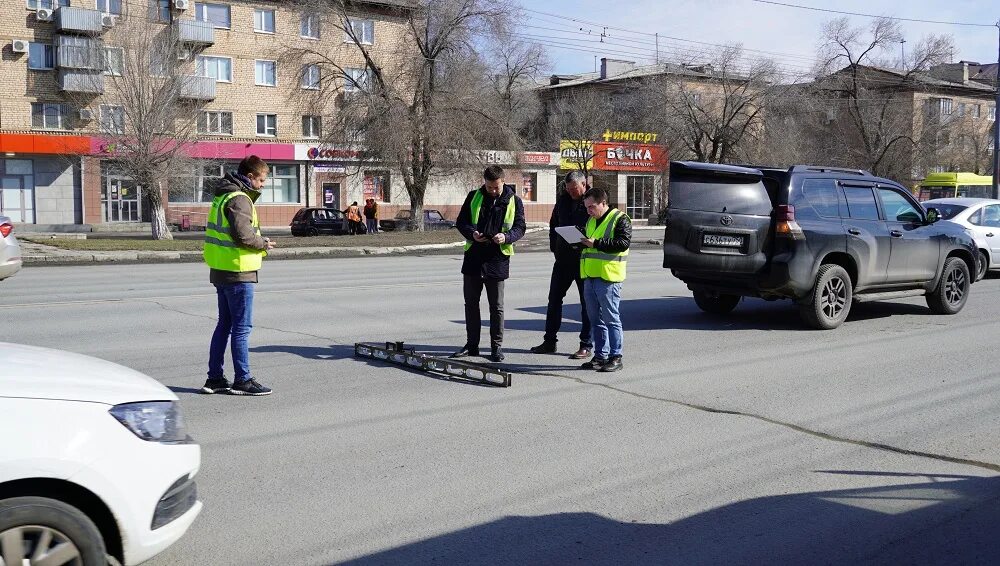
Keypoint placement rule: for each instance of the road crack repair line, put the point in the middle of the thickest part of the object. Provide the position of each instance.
(797, 428)
(215, 318)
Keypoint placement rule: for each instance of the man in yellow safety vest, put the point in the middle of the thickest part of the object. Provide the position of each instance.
(491, 219)
(602, 268)
(233, 251)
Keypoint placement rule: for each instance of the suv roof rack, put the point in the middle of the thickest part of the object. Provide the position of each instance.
(825, 169)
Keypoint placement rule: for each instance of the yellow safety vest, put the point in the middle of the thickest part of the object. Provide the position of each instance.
(595, 264)
(508, 220)
(221, 252)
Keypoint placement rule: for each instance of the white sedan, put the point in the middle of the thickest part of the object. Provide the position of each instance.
(95, 463)
(981, 217)
(10, 250)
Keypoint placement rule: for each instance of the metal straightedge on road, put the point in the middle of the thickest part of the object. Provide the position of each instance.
(396, 353)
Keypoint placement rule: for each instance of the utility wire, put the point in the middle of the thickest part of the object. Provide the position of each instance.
(815, 9)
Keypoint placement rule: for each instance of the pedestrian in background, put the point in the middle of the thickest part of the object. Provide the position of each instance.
(353, 218)
(491, 219)
(371, 215)
(608, 235)
(568, 211)
(234, 250)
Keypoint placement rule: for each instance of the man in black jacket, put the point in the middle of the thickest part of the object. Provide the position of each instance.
(568, 211)
(491, 219)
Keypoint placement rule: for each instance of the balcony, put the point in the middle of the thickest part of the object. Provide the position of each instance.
(197, 88)
(72, 80)
(77, 52)
(194, 32)
(78, 20)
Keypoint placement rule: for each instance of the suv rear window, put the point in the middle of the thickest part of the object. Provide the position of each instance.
(861, 203)
(822, 195)
(735, 194)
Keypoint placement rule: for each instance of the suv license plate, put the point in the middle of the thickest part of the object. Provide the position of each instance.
(724, 241)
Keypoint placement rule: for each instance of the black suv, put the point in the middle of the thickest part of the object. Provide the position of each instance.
(821, 236)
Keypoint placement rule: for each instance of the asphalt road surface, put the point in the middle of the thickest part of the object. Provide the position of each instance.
(744, 439)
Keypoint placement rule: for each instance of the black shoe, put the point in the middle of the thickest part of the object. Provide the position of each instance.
(544, 348)
(497, 355)
(215, 385)
(249, 387)
(582, 354)
(614, 364)
(596, 363)
(465, 352)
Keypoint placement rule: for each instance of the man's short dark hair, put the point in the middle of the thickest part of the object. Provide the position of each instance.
(252, 165)
(596, 194)
(493, 173)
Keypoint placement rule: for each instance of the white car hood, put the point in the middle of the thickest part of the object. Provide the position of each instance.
(42, 373)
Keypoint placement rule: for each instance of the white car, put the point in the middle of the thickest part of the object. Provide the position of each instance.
(94, 461)
(10, 250)
(981, 217)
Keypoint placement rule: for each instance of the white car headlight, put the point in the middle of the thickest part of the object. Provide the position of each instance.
(155, 421)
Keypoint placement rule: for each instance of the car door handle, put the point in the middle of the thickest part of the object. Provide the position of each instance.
(854, 231)
(896, 234)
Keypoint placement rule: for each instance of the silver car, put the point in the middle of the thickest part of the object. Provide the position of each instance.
(981, 217)
(10, 250)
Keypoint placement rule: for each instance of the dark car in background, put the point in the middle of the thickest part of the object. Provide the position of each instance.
(822, 236)
(433, 220)
(317, 221)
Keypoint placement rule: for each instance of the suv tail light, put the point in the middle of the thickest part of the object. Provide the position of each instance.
(785, 224)
(6, 228)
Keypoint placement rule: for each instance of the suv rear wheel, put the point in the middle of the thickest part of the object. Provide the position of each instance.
(38, 530)
(715, 303)
(952, 290)
(830, 302)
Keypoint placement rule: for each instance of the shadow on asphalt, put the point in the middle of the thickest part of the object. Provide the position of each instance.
(943, 520)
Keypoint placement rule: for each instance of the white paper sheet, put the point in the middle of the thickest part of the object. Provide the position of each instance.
(571, 234)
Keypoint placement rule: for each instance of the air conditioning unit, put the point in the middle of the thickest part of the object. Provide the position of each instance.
(86, 114)
(19, 46)
(183, 54)
(108, 21)
(43, 15)
(181, 4)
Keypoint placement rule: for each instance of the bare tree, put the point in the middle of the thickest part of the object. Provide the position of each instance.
(425, 102)
(577, 118)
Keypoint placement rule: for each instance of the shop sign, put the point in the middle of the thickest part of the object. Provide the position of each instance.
(630, 157)
(576, 154)
(534, 158)
(329, 168)
(332, 153)
(637, 137)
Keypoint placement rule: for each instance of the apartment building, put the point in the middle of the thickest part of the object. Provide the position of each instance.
(60, 157)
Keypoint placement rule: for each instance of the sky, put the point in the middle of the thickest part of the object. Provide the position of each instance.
(789, 35)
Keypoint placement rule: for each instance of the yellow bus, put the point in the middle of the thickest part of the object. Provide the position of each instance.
(952, 185)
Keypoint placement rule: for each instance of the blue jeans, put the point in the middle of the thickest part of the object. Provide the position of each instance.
(602, 299)
(235, 314)
(372, 225)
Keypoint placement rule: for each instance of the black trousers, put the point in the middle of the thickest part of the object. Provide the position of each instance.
(473, 290)
(564, 274)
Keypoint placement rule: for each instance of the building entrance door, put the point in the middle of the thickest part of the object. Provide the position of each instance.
(640, 196)
(16, 200)
(120, 200)
(331, 195)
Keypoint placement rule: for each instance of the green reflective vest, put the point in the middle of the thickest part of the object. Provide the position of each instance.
(595, 264)
(221, 252)
(508, 220)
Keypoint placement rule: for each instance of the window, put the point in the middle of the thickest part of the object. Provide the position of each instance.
(993, 112)
(961, 109)
(218, 68)
(310, 77)
(639, 196)
(110, 6)
(112, 119)
(282, 185)
(46, 4)
(822, 195)
(897, 207)
(114, 61)
(364, 30)
(991, 216)
(311, 126)
(159, 10)
(265, 73)
(41, 56)
(946, 106)
(213, 122)
(218, 14)
(376, 185)
(79, 52)
(158, 66)
(977, 111)
(48, 116)
(263, 20)
(309, 27)
(529, 186)
(267, 124)
(976, 218)
(356, 79)
(861, 203)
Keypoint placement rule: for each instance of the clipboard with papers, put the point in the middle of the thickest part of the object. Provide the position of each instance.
(571, 234)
